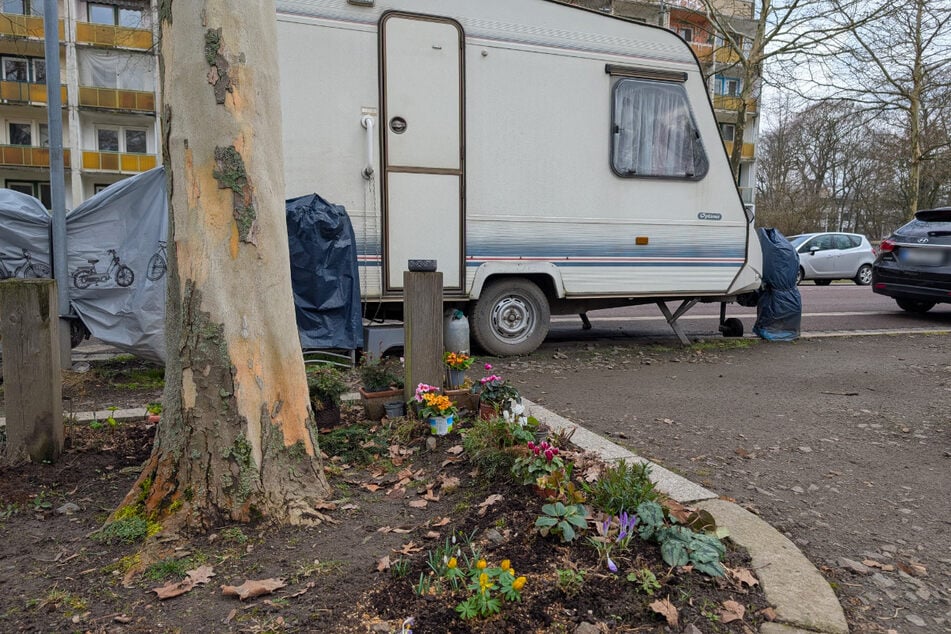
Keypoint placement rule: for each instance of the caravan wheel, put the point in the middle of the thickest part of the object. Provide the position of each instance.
(511, 317)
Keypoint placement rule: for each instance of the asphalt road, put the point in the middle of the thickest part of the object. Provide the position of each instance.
(838, 308)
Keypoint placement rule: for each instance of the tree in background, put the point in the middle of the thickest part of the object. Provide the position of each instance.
(236, 440)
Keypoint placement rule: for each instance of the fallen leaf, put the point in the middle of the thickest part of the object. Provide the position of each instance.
(742, 575)
(743, 453)
(174, 589)
(440, 521)
(372, 488)
(308, 587)
(253, 588)
(768, 613)
(402, 531)
(202, 574)
(731, 611)
(419, 504)
(432, 497)
(449, 461)
(666, 609)
(432, 535)
(122, 618)
(912, 568)
(384, 529)
(455, 450)
(404, 474)
(409, 548)
(449, 483)
(383, 563)
(349, 507)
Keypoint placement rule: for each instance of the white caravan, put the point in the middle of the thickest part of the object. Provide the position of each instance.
(551, 159)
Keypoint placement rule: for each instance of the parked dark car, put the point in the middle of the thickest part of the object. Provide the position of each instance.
(914, 263)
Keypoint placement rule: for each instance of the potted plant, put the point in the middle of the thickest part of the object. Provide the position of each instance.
(153, 412)
(496, 395)
(382, 384)
(326, 385)
(456, 365)
(435, 407)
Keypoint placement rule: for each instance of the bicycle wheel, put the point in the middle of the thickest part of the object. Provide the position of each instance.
(156, 268)
(37, 269)
(81, 279)
(124, 276)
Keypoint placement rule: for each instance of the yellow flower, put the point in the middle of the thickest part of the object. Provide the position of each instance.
(484, 583)
(481, 564)
(506, 564)
(452, 563)
(519, 583)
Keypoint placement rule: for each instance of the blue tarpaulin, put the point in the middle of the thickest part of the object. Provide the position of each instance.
(779, 309)
(324, 274)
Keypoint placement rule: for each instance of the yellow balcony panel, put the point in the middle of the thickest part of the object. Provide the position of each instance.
(749, 149)
(726, 55)
(116, 99)
(117, 162)
(704, 52)
(727, 102)
(28, 156)
(22, 92)
(116, 36)
(31, 26)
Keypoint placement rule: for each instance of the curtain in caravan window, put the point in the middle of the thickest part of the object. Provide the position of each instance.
(654, 131)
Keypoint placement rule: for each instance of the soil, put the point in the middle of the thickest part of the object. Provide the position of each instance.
(398, 498)
(843, 444)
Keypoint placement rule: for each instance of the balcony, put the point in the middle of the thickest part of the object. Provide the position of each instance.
(704, 52)
(113, 36)
(117, 162)
(748, 149)
(727, 102)
(28, 156)
(117, 99)
(28, 26)
(21, 92)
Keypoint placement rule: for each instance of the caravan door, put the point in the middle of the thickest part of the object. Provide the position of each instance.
(423, 163)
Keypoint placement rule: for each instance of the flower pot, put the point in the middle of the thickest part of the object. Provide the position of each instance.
(152, 418)
(455, 378)
(545, 493)
(374, 402)
(463, 399)
(487, 411)
(394, 409)
(327, 416)
(440, 425)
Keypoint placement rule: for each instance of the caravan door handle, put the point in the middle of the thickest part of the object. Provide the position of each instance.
(367, 122)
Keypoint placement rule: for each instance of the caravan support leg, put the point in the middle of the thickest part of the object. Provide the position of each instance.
(585, 323)
(672, 318)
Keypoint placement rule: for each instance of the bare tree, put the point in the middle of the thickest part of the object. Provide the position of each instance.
(236, 439)
(899, 67)
(777, 30)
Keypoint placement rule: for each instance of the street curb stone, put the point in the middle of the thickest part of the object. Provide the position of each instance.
(803, 599)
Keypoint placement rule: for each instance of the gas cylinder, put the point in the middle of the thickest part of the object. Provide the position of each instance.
(456, 332)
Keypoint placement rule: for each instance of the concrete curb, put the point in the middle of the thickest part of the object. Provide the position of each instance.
(803, 599)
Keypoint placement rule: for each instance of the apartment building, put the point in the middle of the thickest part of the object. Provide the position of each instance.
(689, 19)
(109, 84)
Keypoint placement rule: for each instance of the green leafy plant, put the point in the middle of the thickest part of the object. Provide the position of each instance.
(566, 521)
(490, 587)
(488, 444)
(537, 461)
(325, 384)
(622, 487)
(154, 408)
(679, 545)
(570, 581)
(613, 532)
(429, 402)
(457, 360)
(111, 419)
(561, 485)
(378, 375)
(400, 568)
(646, 581)
(496, 391)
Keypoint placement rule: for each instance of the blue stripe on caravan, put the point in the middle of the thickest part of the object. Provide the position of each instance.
(573, 263)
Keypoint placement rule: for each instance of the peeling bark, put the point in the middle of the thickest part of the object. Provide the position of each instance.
(237, 440)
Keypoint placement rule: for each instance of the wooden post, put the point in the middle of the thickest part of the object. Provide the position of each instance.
(422, 324)
(32, 380)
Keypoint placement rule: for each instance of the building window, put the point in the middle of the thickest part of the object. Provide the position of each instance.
(24, 69)
(685, 33)
(654, 131)
(22, 7)
(729, 86)
(727, 131)
(108, 14)
(20, 133)
(37, 189)
(130, 140)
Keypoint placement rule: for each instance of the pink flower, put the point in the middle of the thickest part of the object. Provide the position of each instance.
(554, 450)
(531, 445)
(549, 455)
(487, 366)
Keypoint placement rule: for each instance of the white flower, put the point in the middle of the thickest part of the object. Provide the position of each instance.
(517, 408)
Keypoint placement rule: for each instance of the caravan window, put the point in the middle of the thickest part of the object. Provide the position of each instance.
(654, 131)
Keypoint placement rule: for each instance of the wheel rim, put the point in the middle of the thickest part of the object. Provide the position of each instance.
(513, 319)
(865, 275)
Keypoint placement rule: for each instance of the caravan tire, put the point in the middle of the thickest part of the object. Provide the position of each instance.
(511, 317)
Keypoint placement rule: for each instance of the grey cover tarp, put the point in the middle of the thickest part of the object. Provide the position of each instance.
(24, 227)
(779, 309)
(324, 274)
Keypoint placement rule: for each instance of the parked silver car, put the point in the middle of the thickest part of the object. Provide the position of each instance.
(824, 257)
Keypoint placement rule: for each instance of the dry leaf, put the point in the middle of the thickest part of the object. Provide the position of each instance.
(731, 611)
(449, 461)
(914, 569)
(122, 618)
(404, 474)
(384, 529)
(402, 531)
(449, 483)
(174, 589)
(310, 585)
(440, 521)
(409, 548)
(430, 496)
(666, 609)
(202, 574)
(253, 588)
(769, 614)
(419, 504)
(455, 450)
(432, 535)
(349, 507)
(742, 575)
(372, 488)
(383, 563)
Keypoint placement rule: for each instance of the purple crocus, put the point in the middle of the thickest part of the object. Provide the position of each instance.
(611, 565)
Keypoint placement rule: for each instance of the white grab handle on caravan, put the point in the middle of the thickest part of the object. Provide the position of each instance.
(367, 122)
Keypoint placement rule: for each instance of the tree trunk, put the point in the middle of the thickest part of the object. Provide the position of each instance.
(237, 440)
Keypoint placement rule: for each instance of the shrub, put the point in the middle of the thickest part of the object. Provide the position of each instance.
(378, 375)
(326, 385)
(488, 444)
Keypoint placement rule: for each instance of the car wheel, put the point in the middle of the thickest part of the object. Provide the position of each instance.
(732, 327)
(864, 275)
(800, 276)
(823, 282)
(914, 306)
(511, 317)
